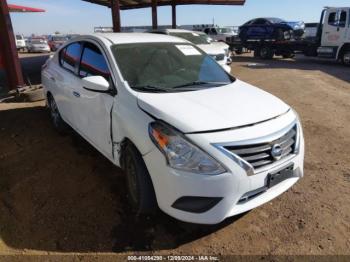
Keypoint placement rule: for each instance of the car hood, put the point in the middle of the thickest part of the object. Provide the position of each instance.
(212, 49)
(235, 105)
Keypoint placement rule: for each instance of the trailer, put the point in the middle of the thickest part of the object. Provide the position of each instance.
(332, 40)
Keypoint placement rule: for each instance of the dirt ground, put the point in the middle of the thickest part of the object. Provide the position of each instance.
(58, 195)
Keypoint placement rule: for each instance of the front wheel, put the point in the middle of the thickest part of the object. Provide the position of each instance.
(345, 59)
(288, 55)
(266, 52)
(141, 194)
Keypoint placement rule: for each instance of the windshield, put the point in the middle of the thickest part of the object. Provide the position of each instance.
(276, 20)
(224, 30)
(59, 38)
(168, 67)
(19, 37)
(194, 38)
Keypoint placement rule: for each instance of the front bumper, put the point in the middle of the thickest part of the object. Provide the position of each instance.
(171, 185)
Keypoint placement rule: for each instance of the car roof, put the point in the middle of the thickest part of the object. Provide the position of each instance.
(129, 38)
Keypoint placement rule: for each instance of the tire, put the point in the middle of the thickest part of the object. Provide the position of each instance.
(239, 51)
(56, 118)
(288, 55)
(257, 53)
(141, 194)
(266, 53)
(345, 59)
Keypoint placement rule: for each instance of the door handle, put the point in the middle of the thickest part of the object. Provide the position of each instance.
(76, 94)
(52, 79)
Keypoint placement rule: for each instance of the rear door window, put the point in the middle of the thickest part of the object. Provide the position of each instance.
(93, 63)
(69, 56)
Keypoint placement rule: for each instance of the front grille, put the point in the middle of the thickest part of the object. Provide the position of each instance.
(219, 57)
(260, 155)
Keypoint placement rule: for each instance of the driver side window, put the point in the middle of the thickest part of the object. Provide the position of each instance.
(342, 19)
(93, 62)
(332, 19)
(213, 31)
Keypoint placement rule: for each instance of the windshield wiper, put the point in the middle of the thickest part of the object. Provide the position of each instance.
(200, 83)
(151, 88)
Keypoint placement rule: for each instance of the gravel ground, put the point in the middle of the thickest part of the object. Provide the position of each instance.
(59, 196)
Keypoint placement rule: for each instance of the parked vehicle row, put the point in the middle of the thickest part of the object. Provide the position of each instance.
(219, 51)
(55, 41)
(38, 45)
(192, 139)
(42, 43)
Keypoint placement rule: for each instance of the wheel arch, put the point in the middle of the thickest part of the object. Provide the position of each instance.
(123, 144)
(342, 50)
(48, 97)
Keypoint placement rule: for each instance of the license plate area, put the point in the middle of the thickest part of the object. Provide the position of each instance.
(279, 176)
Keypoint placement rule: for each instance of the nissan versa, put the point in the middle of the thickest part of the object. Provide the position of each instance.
(192, 139)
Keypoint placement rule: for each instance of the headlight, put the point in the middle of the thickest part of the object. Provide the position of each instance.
(180, 153)
(299, 133)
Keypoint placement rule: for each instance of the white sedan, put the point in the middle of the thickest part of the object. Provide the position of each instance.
(192, 139)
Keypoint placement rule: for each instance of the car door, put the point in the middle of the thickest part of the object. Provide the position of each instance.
(92, 110)
(258, 29)
(64, 76)
(335, 27)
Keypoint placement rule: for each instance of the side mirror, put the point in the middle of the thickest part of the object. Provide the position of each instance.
(96, 84)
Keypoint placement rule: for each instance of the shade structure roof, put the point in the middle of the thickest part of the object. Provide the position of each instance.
(24, 9)
(133, 4)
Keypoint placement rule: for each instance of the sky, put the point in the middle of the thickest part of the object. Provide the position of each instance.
(76, 16)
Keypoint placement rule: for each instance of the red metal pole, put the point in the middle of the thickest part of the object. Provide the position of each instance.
(154, 14)
(8, 48)
(115, 15)
(173, 12)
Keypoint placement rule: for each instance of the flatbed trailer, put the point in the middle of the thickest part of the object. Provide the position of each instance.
(332, 40)
(266, 48)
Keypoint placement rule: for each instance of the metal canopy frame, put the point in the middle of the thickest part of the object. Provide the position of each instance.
(134, 4)
(8, 50)
(117, 5)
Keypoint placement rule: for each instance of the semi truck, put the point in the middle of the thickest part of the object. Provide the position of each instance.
(332, 40)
